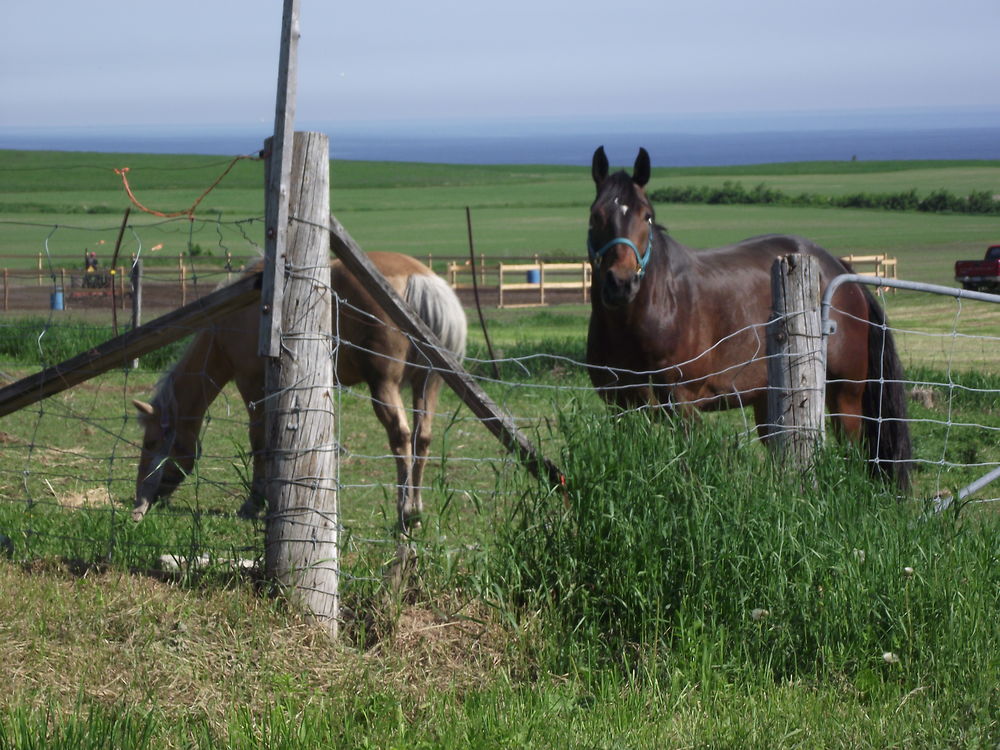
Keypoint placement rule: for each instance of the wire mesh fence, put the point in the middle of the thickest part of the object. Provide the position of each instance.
(69, 465)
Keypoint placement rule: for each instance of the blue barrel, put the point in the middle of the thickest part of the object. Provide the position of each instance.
(57, 299)
(533, 276)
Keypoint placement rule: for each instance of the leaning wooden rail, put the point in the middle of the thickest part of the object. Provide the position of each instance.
(121, 350)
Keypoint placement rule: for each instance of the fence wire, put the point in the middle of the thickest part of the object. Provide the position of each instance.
(68, 465)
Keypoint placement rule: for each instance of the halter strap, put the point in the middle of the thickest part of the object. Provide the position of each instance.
(641, 259)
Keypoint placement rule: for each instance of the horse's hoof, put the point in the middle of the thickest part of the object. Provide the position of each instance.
(251, 509)
(410, 524)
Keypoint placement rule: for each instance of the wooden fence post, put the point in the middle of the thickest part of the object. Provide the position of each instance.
(301, 548)
(182, 277)
(541, 281)
(135, 279)
(795, 366)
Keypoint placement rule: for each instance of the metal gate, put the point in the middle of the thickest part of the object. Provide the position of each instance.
(828, 327)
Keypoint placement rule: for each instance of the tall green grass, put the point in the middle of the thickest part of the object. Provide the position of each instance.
(39, 341)
(684, 555)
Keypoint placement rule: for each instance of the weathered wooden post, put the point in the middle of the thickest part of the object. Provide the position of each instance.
(135, 280)
(796, 368)
(182, 278)
(301, 547)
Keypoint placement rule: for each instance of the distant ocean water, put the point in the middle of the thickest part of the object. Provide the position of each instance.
(666, 148)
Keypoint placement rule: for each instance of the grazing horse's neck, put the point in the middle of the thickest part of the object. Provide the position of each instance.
(197, 378)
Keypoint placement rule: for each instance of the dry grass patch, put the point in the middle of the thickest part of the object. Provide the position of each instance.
(121, 639)
(428, 648)
(95, 497)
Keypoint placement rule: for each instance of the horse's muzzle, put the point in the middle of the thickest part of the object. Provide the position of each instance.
(153, 489)
(616, 291)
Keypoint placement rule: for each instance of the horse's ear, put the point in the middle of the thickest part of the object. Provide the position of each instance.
(641, 170)
(146, 411)
(599, 167)
(144, 407)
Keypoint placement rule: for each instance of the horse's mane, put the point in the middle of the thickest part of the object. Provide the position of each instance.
(163, 397)
(163, 394)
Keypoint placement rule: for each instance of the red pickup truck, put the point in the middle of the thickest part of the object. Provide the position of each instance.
(980, 275)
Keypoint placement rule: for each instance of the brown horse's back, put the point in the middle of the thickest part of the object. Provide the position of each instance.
(747, 265)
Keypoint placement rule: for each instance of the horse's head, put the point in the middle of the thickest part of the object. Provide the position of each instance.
(166, 456)
(621, 234)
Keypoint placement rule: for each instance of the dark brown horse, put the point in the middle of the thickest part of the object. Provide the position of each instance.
(686, 330)
(370, 349)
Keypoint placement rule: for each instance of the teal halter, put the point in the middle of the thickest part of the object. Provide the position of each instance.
(641, 259)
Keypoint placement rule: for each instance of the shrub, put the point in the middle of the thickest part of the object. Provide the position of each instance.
(977, 202)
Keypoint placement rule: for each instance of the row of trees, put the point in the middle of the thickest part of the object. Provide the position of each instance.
(731, 192)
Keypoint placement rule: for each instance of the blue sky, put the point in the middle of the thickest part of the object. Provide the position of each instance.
(442, 64)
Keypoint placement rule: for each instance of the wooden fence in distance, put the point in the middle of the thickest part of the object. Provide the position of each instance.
(524, 283)
(535, 279)
(879, 264)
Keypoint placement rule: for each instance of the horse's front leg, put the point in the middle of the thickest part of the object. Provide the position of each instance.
(256, 500)
(620, 389)
(250, 383)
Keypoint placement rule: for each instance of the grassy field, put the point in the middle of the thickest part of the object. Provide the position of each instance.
(517, 631)
(662, 649)
(688, 594)
(516, 210)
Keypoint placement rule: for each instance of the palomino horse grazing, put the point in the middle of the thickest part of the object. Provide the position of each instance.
(371, 350)
(684, 329)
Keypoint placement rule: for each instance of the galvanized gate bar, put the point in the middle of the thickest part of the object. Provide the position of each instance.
(914, 286)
